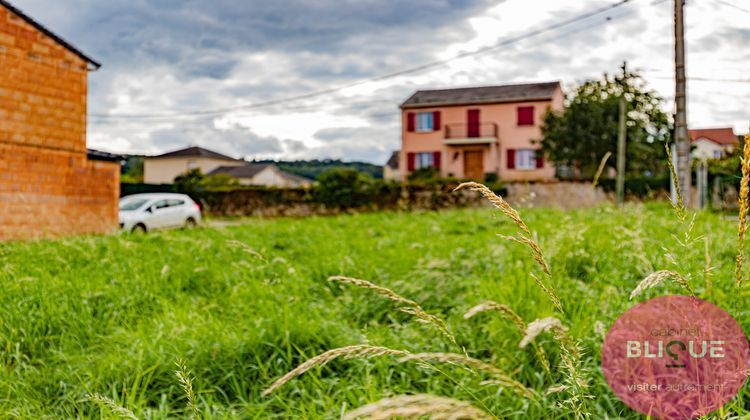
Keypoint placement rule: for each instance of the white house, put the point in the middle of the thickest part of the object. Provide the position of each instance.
(713, 143)
(265, 174)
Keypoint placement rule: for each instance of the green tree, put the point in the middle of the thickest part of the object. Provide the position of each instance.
(342, 188)
(580, 136)
(194, 181)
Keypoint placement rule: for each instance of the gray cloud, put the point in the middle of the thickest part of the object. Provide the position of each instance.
(164, 56)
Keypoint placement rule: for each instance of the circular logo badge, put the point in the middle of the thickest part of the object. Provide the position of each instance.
(675, 357)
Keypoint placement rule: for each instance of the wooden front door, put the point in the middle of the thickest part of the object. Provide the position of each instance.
(472, 119)
(474, 164)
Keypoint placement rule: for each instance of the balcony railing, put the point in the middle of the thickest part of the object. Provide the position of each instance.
(472, 130)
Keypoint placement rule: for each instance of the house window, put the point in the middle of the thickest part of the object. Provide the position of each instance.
(424, 121)
(525, 159)
(192, 165)
(717, 154)
(525, 115)
(423, 160)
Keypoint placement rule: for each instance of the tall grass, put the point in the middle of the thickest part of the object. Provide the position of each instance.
(101, 314)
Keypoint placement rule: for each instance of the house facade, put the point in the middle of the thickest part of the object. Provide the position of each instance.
(477, 131)
(164, 168)
(50, 184)
(263, 174)
(713, 143)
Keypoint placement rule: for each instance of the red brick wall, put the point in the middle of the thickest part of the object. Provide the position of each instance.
(47, 186)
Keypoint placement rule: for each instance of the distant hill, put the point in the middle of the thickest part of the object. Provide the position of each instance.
(313, 168)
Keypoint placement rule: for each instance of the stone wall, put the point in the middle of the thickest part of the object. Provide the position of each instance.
(563, 195)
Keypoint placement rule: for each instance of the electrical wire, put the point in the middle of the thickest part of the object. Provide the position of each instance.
(504, 43)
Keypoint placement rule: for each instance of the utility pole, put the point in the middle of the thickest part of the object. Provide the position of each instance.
(682, 142)
(621, 139)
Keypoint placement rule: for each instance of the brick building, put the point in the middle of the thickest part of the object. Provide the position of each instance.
(50, 184)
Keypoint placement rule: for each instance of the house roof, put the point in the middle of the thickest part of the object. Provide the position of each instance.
(195, 151)
(93, 154)
(294, 177)
(251, 169)
(244, 171)
(49, 33)
(393, 160)
(723, 136)
(482, 95)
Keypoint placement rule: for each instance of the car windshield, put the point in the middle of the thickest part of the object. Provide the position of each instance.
(133, 204)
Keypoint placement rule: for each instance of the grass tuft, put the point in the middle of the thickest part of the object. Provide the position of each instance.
(409, 306)
(524, 238)
(499, 377)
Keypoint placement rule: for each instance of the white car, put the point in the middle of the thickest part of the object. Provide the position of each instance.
(144, 212)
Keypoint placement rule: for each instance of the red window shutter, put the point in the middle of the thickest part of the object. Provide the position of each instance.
(511, 158)
(436, 159)
(410, 121)
(525, 115)
(410, 161)
(436, 120)
(539, 160)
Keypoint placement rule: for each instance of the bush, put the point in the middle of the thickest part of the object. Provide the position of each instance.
(343, 188)
(424, 174)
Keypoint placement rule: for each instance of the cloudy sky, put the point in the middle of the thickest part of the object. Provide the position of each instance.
(193, 72)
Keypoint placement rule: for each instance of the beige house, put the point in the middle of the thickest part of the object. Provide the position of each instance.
(163, 169)
(265, 174)
(390, 169)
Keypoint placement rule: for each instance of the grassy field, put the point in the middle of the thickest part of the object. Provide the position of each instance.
(111, 315)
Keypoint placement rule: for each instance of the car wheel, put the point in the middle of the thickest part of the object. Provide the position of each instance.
(190, 223)
(139, 228)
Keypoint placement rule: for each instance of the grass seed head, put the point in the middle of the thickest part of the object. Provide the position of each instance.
(549, 324)
(186, 382)
(743, 203)
(499, 377)
(525, 238)
(600, 169)
(658, 277)
(418, 406)
(409, 306)
(679, 206)
(504, 310)
(351, 352)
(112, 406)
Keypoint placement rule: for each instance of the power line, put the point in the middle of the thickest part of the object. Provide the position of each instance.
(390, 102)
(726, 3)
(301, 107)
(705, 79)
(504, 43)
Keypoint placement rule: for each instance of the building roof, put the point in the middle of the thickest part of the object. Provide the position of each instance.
(49, 33)
(251, 169)
(93, 154)
(482, 95)
(294, 177)
(195, 151)
(244, 171)
(393, 160)
(723, 136)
